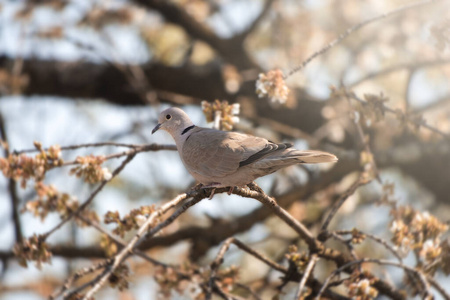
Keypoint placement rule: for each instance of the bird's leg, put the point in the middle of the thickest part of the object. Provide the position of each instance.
(212, 194)
(230, 190)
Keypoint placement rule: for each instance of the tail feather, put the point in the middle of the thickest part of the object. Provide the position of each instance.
(292, 157)
(312, 156)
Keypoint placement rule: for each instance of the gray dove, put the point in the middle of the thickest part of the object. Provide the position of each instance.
(218, 158)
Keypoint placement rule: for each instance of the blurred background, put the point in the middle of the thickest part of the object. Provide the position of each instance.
(74, 72)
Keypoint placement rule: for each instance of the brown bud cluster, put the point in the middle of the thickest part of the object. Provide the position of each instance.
(361, 288)
(119, 278)
(357, 236)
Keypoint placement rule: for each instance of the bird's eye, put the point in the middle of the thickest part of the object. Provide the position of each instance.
(168, 117)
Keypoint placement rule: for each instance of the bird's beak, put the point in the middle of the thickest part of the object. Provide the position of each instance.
(156, 128)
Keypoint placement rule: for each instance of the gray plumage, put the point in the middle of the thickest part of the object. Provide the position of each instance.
(218, 158)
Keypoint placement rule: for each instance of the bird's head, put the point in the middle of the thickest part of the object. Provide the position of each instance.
(174, 121)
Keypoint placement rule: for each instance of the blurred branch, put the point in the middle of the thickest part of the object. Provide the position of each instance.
(12, 186)
(231, 49)
(408, 66)
(356, 27)
(438, 103)
(358, 183)
(264, 11)
(407, 117)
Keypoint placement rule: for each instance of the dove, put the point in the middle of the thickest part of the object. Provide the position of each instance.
(218, 158)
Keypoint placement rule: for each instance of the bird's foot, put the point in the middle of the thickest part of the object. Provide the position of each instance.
(211, 185)
(197, 187)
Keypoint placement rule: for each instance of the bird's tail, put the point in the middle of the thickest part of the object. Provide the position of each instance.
(311, 156)
(290, 157)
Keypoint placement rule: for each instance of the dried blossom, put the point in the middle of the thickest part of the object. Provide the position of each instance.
(357, 236)
(119, 278)
(441, 34)
(227, 277)
(362, 289)
(49, 199)
(224, 115)
(32, 249)
(272, 85)
(298, 259)
(90, 169)
(418, 231)
(131, 221)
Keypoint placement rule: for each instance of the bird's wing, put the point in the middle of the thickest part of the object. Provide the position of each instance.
(217, 153)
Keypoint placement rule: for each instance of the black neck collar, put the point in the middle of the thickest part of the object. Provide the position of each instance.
(187, 129)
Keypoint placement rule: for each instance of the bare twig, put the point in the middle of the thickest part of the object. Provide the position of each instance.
(309, 269)
(256, 21)
(88, 145)
(219, 259)
(355, 28)
(376, 239)
(438, 287)
(144, 148)
(342, 199)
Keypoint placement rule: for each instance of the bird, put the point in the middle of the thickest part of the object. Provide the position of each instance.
(217, 158)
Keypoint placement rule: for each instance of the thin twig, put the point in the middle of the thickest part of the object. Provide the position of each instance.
(309, 268)
(220, 255)
(376, 239)
(88, 145)
(354, 28)
(438, 287)
(359, 182)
